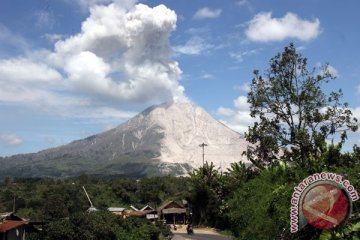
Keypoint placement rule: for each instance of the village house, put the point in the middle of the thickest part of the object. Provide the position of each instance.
(172, 212)
(147, 211)
(13, 227)
(151, 213)
(12, 230)
(116, 210)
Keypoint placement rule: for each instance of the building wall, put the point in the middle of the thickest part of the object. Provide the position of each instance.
(14, 234)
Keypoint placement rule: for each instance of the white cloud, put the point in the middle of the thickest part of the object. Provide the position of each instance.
(326, 68)
(226, 112)
(239, 56)
(264, 28)
(353, 137)
(207, 13)
(246, 3)
(242, 2)
(333, 71)
(25, 71)
(356, 113)
(207, 76)
(44, 19)
(10, 139)
(87, 4)
(194, 46)
(244, 87)
(108, 112)
(65, 105)
(53, 37)
(134, 43)
(239, 118)
(241, 103)
(121, 56)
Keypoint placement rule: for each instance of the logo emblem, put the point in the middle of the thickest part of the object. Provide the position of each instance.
(322, 200)
(325, 206)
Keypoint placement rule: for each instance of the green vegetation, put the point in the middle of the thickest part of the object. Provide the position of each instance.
(101, 225)
(63, 205)
(251, 204)
(294, 118)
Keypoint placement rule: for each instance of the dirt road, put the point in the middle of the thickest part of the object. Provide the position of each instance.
(199, 234)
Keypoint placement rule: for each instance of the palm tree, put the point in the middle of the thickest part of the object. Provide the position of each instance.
(238, 170)
(208, 174)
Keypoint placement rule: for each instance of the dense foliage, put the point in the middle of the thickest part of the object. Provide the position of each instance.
(62, 205)
(294, 115)
(294, 119)
(101, 225)
(251, 204)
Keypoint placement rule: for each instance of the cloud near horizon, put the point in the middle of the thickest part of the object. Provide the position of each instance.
(264, 28)
(238, 118)
(10, 139)
(122, 55)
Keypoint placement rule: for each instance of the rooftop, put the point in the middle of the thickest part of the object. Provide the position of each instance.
(9, 224)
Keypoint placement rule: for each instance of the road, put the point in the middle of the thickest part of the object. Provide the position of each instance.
(199, 235)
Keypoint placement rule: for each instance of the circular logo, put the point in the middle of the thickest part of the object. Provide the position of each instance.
(325, 206)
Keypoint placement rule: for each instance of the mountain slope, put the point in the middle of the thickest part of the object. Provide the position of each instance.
(163, 139)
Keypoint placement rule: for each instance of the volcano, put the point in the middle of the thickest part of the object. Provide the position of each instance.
(170, 138)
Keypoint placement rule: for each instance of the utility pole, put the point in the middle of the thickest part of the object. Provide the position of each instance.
(203, 145)
(14, 203)
(87, 195)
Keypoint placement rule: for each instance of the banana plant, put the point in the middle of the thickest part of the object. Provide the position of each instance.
(349, 232)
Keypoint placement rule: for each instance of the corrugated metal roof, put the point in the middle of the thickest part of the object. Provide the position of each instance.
(8, 225)
(115, 209)
(5, 214)
(171, 204)
(134, 208)
(147, 207)
(166, 204)
(173, 210)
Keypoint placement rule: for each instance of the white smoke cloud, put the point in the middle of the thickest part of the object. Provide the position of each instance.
(121, 56)
(134, 43)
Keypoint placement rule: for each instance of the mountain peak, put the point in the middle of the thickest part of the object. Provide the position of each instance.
(184, 126)
(163, 139)
(166, 105)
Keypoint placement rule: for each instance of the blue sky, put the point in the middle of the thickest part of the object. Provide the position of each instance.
(73, 68)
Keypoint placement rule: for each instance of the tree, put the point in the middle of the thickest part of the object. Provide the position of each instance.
(294, 116)
(205, 194)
